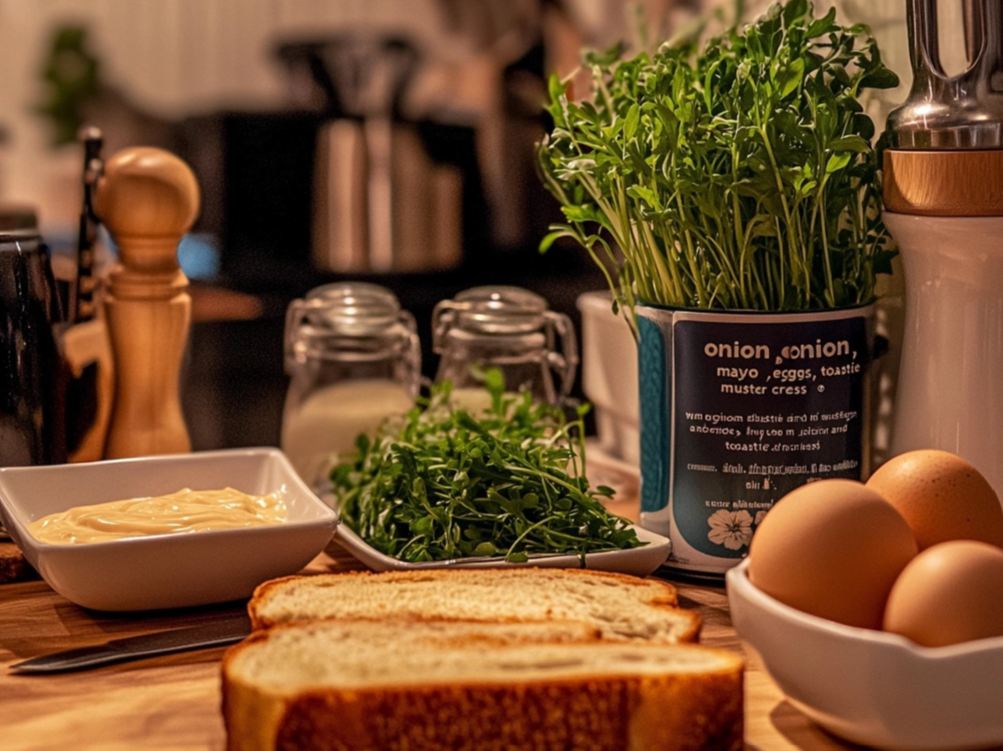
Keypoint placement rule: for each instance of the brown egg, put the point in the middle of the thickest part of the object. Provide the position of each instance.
(941, 496)
(950, 593)
(832, 548)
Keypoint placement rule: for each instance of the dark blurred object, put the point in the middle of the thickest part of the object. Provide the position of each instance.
(345, 184)
(17, 217)
(350, 75)
(31, 428)
(382, 201)
(256, 173)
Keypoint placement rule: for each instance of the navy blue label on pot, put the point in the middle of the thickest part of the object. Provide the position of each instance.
(738, 410)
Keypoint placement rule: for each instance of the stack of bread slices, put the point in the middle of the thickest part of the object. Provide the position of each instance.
(488, 659)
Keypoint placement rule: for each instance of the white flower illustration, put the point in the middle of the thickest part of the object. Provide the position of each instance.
(733, 529)
(760, 515)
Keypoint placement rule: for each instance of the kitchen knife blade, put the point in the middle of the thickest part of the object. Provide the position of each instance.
(216, 633)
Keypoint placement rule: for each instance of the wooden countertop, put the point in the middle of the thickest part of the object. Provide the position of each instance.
(172, 702)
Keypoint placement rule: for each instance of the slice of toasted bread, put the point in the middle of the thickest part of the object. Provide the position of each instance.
(437, 686)
(620, 607)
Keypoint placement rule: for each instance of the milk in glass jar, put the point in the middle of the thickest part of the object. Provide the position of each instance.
(353, 358)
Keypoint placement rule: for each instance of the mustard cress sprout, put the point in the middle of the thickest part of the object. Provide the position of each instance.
(737, 176)
(448, 483)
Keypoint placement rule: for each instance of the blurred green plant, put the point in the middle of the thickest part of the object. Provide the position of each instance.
(71, 78)
(736, 173)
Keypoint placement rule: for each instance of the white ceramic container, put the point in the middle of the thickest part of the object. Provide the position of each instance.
(609, 376)
(871, 687)
(950, 382)
(172, 570)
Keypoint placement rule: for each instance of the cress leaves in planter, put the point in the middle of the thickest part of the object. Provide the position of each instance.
(739, 175)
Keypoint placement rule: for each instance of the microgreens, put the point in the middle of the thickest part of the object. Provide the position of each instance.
(446, 483)
(738, 175)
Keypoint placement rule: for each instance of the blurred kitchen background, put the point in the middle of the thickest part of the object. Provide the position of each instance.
(274, 102)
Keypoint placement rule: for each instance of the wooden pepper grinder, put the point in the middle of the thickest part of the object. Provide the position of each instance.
(147, 198)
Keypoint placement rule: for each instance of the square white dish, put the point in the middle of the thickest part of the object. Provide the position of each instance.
(636, 561)
(872, 687)
(165, 571)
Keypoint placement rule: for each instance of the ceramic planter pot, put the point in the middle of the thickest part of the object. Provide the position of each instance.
(737, 409)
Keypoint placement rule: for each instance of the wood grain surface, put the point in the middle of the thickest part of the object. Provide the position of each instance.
(172, 702)
(943, 183)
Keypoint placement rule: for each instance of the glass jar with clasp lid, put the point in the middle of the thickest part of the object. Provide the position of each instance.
(353, 358)
(508, 328)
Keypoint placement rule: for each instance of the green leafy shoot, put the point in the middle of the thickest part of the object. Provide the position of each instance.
(444, 483)
(736, 175)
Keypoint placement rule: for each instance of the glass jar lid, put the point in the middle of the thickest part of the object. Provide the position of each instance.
(346, 319)
(350, 309)
(494, 310)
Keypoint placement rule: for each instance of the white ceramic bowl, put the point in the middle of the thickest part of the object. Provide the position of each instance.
(871, 687)
(165, 571)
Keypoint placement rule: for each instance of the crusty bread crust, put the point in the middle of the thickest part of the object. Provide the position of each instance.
(607, 714)
(662, 709)
(532, 594)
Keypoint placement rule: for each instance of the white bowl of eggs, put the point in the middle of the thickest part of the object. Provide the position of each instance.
(164, 531)
(877, 607)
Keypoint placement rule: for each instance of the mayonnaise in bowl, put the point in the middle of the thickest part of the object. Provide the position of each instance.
(181, 512)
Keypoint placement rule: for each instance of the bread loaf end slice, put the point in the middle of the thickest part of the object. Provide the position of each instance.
(372, 686)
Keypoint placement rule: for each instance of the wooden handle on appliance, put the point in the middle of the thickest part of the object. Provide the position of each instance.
(943, 183)
(147, 198)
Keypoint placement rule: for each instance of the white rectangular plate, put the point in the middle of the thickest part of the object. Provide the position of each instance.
(636, 561)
